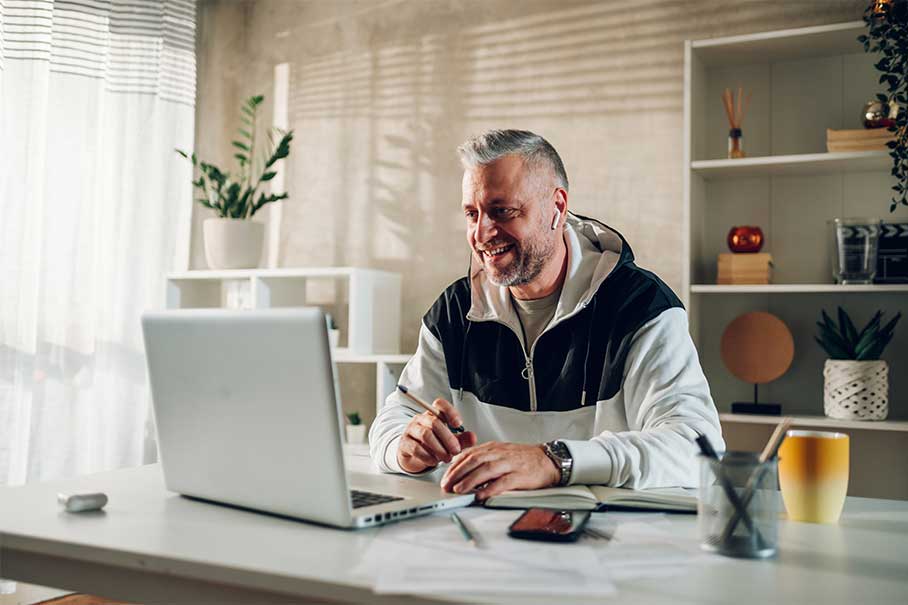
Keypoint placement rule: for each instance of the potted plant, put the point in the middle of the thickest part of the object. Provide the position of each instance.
(356, 430)
(233, 240)
(333, 331)
(855, 379)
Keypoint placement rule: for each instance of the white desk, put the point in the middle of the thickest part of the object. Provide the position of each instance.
(151, 546)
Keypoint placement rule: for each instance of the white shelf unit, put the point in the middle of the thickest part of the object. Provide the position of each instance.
(366, 303)
(372, 298)
(797, 289)
(878, 448)
(797, 164)
(803, 81)
(820, 421)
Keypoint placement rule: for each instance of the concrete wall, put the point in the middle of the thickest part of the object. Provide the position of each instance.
(382, 92)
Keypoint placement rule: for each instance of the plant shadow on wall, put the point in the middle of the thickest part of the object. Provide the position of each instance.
(234, 240)
(395, 112)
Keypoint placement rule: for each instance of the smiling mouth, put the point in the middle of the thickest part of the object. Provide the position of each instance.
(493, 252)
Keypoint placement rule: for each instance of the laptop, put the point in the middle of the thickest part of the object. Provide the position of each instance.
(248, 414)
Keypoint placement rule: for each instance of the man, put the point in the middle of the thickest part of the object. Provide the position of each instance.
(565, 361)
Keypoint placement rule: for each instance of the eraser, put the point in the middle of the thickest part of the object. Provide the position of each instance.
(80, 503)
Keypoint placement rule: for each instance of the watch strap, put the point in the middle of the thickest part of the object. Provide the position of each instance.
(559, 453)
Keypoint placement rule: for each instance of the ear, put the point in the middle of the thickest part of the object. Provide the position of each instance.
(560, 206)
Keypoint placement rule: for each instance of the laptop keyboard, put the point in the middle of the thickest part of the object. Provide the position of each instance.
(361, 499)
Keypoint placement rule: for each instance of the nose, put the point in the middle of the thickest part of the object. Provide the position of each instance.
(485, 228)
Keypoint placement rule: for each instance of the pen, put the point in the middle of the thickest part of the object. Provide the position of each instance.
(467, 535)
(427, 407)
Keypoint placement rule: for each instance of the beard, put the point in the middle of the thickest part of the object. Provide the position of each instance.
(529, 257)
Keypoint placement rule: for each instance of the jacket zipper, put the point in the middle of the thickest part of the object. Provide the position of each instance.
(527, 372)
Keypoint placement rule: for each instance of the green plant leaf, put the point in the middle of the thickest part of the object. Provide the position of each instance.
(831, 349)
(182, 153)
(281, 151)
(240, 145)
(245, 133)
(268, 176)
(869, 334)
(832, 340)
(847, 329)
(874, 352)
(889, 328)
(830, 325)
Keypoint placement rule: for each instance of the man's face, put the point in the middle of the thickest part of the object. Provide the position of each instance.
(509, 217)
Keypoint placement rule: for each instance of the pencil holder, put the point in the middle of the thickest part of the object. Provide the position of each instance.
(737, 514)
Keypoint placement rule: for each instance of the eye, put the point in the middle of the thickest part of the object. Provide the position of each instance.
(470, 214)
(503, 213)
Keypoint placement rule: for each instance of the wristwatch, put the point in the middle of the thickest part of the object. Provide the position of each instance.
(559, 453)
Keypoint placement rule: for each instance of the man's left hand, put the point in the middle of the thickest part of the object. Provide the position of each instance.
(493, 468)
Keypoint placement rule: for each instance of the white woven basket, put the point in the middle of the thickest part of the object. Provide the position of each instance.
(856, 390)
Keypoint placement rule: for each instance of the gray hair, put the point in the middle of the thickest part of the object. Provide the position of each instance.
(492, 145)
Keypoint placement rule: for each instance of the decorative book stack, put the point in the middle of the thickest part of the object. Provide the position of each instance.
(744, 268)
(862, 139)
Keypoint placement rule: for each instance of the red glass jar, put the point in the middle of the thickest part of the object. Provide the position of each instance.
(745, 239)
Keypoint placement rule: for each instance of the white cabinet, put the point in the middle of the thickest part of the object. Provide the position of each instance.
(365, 303)
(803, 81)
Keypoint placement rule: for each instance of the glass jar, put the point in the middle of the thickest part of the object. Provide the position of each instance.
(737, 514)
(735, 143)
(855, 245)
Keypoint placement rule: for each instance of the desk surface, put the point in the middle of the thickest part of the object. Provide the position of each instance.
(151, 545)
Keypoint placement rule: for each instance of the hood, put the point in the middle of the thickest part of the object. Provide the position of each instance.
(594, 251)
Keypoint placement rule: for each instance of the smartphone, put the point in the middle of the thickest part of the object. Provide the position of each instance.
(550, 525)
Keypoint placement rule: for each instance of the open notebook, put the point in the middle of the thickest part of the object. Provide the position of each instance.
(592, 497)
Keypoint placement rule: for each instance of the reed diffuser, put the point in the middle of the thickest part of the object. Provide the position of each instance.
(735, 108)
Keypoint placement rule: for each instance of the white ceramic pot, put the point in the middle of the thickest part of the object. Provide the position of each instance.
(232, 243)
(856, 390)
(356, 433)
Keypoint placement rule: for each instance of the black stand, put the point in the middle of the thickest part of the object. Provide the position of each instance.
(763, 409)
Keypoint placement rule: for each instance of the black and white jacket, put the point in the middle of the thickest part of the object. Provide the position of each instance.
(615, 374)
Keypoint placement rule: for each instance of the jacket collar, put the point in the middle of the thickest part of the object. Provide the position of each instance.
(594, 251)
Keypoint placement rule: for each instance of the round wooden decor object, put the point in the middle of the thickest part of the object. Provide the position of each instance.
(757, 347)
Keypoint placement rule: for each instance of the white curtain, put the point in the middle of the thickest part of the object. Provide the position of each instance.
(94, 210)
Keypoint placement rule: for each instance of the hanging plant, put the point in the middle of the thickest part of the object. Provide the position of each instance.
(887, 34)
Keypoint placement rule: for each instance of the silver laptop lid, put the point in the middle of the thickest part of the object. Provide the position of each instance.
(246, 409)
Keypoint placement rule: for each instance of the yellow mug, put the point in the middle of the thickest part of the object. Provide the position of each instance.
(813, 475)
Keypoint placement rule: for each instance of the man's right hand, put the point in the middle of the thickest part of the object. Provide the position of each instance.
(427, 441)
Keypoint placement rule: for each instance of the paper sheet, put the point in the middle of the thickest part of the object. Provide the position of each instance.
(429, 555)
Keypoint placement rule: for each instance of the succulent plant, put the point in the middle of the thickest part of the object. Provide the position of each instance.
(354, 418)
(845, 342)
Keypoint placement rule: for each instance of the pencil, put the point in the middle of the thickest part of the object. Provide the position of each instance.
(427, 407)
(464, 530)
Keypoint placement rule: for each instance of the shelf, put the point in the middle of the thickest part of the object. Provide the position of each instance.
(820, 421)
(795, 288)
(344, 355)
(272, 273)
(783, 45)
(802, 164)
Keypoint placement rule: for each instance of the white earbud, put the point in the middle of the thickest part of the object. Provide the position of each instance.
(555, 220)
